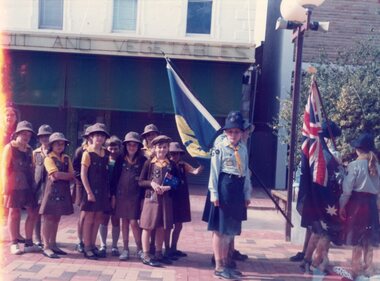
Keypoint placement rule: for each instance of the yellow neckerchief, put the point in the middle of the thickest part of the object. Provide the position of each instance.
(91, 149)
(84, 146)
(15, 144)
(55, 155)
(236, 153)
(160, 163)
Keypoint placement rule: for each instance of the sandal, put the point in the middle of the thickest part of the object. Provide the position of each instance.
(58, 251)
(224, 274)
(150, 262)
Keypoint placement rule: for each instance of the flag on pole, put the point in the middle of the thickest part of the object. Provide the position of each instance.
(312, 149)
(319, 190)
(195, 124)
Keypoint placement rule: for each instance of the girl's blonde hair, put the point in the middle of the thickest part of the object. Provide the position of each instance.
(372, 161)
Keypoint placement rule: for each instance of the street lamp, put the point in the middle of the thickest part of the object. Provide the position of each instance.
(296, 15)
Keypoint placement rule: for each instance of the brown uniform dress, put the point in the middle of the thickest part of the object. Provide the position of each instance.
(39, 173)
(20, 179)
(57, 197)
(128, 193)
(157, 209)
(98, 178)
(181, 197)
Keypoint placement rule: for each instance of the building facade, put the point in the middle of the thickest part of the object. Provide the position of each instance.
(70, 63)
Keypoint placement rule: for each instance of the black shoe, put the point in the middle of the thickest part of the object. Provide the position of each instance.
(298, 257)
(179, 254)
(21, 240)
(237, 256)
(235, 272)
(150, 262)
(80, 247)
(90, 255)
(58, 251)
(50, 255)
(164, 260)
(100, 253)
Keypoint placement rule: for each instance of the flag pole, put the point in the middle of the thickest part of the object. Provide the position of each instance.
(324, 113)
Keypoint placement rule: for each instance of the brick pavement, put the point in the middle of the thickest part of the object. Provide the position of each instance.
(262, 239)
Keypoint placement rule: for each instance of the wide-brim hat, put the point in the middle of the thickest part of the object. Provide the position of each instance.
(24, 126)
(234, 120)
(44, 130)
(98, 128)
(175, 147)
(149, 129)
(132, 136)
(57, 136)
(365, 142)
(335, 130)
(86, 130)
(161, 139)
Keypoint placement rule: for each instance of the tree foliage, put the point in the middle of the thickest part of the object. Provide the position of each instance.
(350, 90)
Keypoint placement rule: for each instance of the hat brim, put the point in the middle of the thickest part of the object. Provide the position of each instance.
(177, 150)
(43, 134)
(65, 140)
(161, 140)
(152, 131)
(99, 131)
(233, 126)
(132, 140)
(24, 129)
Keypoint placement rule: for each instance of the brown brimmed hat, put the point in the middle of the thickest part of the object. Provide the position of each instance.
(161, 139)
(24, 126)
(98, 128)
(175, 147)
(149, 129)
(113, 141)
(86, 130)
(44, 130)
(57, 136)
(132, 136)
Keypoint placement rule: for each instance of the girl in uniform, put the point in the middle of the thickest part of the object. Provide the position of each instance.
(358, 206)
(39, 154)
(113, 145)
(56, 200)
(150, 132)
(78, 189)
(181, 197)
(157, 211)
(127, 192)
(230, 191)
(95, 179)
(17, 175)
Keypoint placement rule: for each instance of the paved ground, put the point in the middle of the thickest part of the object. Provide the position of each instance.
(262, 239)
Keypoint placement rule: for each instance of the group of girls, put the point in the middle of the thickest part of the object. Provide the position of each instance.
(139, 181)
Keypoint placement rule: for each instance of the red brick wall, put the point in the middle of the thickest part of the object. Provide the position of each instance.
(350, 21)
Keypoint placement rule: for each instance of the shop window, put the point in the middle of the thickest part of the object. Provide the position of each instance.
(199, 16)
(124, 15)
(50, 14)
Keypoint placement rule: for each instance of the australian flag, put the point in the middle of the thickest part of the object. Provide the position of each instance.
(319, 188)
(195, 124)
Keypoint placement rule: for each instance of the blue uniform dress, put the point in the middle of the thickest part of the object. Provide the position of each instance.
(231, 185)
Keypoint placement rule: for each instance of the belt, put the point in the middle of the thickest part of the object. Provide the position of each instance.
(232, 176)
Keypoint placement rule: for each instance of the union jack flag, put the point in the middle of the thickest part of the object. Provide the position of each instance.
(312, 148)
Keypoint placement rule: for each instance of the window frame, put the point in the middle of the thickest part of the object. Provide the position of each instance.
(42, 25)
(212, 16)
(114, 30)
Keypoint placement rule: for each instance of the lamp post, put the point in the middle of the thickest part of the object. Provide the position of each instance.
(296, 15)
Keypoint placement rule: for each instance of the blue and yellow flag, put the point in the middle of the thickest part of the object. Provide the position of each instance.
(196, 126)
